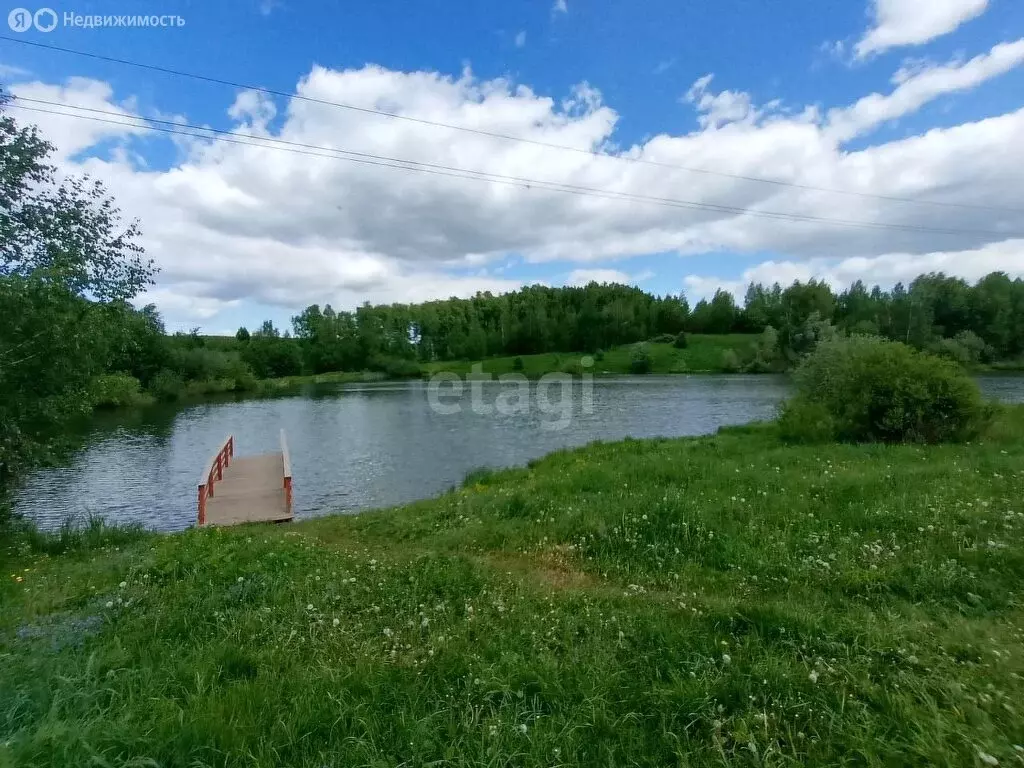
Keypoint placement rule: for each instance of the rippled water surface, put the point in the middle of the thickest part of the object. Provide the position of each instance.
(358, 447)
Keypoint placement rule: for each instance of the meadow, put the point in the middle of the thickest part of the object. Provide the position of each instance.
(723, 600)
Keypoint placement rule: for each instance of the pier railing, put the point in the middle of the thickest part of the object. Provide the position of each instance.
(215, 473)
(286, 459)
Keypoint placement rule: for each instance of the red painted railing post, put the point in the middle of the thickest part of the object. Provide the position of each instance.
(220, 462)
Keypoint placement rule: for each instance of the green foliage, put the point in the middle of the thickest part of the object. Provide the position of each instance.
(517, 364)
(767, 355)
(68, 266)
(884, 391)
(730, 361)
(115, 390)
(663, 338)
(396, 367)
(167, 385)
(242, 334)
(640, 360)
(805, 421)
(680, 342)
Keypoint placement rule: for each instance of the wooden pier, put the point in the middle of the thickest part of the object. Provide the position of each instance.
(246, 489)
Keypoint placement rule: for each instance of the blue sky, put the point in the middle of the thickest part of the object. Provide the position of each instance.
(280, 231)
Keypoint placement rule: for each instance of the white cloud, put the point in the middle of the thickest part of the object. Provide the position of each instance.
(717, 109)
(521, 38)
(913, 22)
(560, 6)
(920, 83)
(71, 137)
(230, 223)
(585, 276)
(885, 270)
(664, 66)
(8, 72)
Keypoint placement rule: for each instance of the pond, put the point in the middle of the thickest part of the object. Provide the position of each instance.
(365, 446)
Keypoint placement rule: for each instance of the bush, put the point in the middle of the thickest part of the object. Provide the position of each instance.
(166, 385)
(599, 355)
(640, 360)
(396, 367)
(967, 348)
(680, 341)
(115, 390)
(517, 364)
(865, 389)
(803, 421)
(664, 338)
(730, 361)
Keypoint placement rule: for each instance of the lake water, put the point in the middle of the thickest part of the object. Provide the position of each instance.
(357, 447)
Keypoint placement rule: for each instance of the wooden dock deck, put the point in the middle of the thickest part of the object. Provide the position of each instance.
(246, 489)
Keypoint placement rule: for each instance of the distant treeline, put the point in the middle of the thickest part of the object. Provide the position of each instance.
(974, 323)
(979, 323)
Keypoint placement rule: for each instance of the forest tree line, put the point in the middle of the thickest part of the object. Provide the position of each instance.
(979, 323)
(983, 322)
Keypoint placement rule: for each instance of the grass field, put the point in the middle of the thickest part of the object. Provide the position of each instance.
(702, 354)
(724, 600)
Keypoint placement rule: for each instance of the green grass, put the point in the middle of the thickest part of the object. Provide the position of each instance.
(702, 355)
(724, 600)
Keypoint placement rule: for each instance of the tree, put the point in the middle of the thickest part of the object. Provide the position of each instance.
(68, 267)
(242, 334)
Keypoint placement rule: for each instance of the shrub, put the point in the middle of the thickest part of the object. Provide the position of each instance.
(803, 421)
(517, 364)
(680, 341)
(664, 338)
(115, 390)
(640, 360)
(730, 361)
(882, 391)
(166, 385)
(396, 367)
(967, 348)
(599, 355)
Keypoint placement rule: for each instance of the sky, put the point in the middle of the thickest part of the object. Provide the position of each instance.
(678, 146)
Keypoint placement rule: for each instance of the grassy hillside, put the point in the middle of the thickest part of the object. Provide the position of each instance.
(703, 353)
(719, 600)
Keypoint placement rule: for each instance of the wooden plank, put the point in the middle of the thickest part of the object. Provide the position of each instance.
(251, 491)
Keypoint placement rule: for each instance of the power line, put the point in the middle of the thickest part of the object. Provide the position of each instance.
(202, 132)
(503, 136)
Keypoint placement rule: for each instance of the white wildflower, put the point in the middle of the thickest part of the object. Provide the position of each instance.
(336, 622)
(726, 659)
(123, 584)
(987, 759)
(813, 677)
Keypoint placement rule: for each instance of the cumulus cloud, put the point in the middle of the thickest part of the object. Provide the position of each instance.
(560, 6)
(229, 223)
(912, 22)
(71, 137)
(521, 38)
(885, 270)
(717, 109)
(919, 84)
